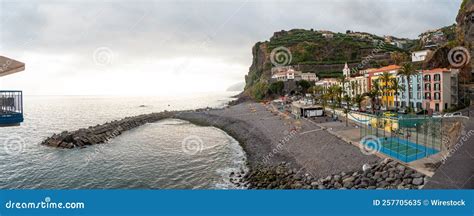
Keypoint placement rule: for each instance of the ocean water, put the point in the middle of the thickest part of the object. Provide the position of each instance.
(167, 154)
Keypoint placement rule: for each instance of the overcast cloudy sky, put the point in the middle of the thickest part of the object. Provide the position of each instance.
(156, 47)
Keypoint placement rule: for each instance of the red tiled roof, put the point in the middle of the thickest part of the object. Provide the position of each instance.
(385, 69)
(437, 70)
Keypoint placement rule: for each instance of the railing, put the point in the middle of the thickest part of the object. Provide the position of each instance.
(11, 108)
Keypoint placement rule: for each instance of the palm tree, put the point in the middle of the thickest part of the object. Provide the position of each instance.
(357, 99)
(316, 91)
(324, 100)
(332, 93)
(386, 78)
(347, 99)
(374, 94)
(343, 81)
(338, 91)
(396, 88)
(407, 70)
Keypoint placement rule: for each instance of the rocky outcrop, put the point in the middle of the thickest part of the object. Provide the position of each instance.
(465, 26)
(465, 22)
(101, 133)
(387, 174)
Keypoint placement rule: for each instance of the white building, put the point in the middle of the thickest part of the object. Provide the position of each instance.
(291, 74)
(418, 56)
(311, 77)
(326, 83)
(285, 75)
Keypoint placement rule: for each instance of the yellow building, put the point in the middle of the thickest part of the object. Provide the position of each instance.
(387, 95)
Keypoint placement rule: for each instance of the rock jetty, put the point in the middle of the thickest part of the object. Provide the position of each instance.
(102, 133)
(386, 174)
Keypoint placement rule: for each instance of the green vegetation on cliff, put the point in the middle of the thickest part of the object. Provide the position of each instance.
(321, 52)
(312, 47)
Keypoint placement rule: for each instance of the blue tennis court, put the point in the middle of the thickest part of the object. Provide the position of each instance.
(401, 149)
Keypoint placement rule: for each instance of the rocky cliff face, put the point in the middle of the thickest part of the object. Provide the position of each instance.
(465, 28)
(465, 22)
(320, 52)
(261, 65)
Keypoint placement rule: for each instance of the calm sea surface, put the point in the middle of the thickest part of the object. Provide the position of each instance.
(166, 154)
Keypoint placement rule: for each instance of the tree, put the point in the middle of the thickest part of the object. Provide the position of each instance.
(374, 93)
(324, 100)
(398, 57)
(386, 78)
(338, 94)
(343, 81)
(407, 70)
(316, 91)
(304, 85)
(396, 88)
(357, 99)
(260, 90)
(347, 99)
(277, 87)
(333, 93)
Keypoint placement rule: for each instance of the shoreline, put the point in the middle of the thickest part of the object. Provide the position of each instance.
(269, 167)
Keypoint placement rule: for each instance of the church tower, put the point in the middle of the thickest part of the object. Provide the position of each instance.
(346, 71)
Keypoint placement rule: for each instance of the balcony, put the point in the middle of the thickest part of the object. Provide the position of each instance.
(11, 108)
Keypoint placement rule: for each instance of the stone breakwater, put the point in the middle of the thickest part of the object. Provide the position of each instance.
(386, 174)
(102, 133)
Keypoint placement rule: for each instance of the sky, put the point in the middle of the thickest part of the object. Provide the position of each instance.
(152, 47)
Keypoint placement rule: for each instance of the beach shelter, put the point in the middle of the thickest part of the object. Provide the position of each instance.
(11, 101)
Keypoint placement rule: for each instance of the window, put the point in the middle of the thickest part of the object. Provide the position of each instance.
(427, 87)
(437, 77)
(418, 105)
(427, 78)
(445, 105)
(436, 96)
(428, 96)
(436, 87)
(418, 95)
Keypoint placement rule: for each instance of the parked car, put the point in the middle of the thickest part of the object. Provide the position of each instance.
(453, 114)
(355, 108)
(402, 111)
(437, 115)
